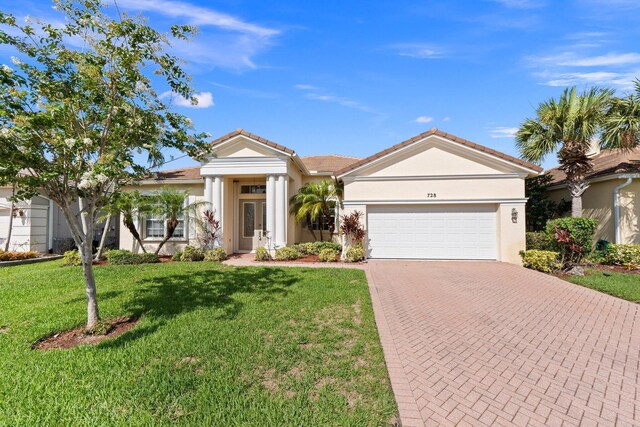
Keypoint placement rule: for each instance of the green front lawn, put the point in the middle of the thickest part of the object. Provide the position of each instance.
(621, 285)
(216, 346)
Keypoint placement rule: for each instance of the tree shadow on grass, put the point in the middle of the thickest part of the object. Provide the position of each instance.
(162, 298)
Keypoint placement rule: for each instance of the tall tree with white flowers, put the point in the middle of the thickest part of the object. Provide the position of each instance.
(79, 117)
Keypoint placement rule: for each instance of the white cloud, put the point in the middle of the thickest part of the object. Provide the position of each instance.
(446, 119)
(423, 119)
(419, 50)
(305, 87)
(198, 15)
(205, 99)
(603, 78)
(223, 41)
(502, 132)
(570, 59)
(316, 94)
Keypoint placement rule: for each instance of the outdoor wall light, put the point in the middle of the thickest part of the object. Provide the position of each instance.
(514, 215)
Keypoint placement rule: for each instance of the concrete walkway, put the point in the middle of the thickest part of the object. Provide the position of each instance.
(486, 343)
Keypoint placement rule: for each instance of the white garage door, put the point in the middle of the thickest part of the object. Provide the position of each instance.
(432, 232)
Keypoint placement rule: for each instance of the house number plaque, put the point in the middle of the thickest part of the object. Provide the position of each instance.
(431, 195)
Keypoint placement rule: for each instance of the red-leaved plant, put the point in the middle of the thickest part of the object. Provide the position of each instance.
(351, 227)
(570, 251)
(212, 228)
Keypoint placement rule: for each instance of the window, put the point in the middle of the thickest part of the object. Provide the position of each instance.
(323, 223)
(155, 227)
(253, 189)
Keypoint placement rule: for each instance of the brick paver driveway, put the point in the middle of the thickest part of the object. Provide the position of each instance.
(475, 343)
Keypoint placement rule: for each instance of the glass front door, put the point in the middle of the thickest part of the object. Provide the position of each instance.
(252, 219)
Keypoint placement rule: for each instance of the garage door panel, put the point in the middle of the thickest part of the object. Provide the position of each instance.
(432, 232)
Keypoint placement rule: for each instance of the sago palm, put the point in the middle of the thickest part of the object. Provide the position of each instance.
(569, 126)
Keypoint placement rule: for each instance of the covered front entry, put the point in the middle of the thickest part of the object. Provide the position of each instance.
(432, 231)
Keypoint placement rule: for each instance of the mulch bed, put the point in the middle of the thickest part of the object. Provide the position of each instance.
(78, 336)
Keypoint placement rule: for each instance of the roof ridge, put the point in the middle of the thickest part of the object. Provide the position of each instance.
(258, 138)
(438, 132)
(335, 155)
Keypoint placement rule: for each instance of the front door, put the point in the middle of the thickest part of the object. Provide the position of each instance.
(253, 222)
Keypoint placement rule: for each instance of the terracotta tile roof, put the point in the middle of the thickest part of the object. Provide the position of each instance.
(252, 136)
(328, 163)
(608, 162)
(177, 174)
(442, 134)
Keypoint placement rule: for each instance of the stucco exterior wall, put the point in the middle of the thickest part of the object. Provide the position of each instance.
(597, 203)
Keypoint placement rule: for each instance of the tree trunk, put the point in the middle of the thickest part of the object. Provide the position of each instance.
(105, 231)
(172, 223)
(84, 243)
(11, 212)
(132, 229)
(576, 190)
(93, 315)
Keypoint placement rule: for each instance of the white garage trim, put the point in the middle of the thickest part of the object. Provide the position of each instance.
(432, 232)
(435, 202)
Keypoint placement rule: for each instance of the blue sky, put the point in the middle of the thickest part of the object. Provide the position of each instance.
(356, 77)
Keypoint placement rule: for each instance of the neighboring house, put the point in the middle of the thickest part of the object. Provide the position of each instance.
(434, 196)
(612, 196)
(39, 225)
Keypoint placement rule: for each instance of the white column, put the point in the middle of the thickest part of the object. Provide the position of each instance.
(207, 191)
(281, 211)
(271, 207)
(216, 201)
(216, 197)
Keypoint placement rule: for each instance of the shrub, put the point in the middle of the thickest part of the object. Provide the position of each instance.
(328, 255)
(305, 248)
(17, 256)
(148, 258)
(355, 253)
(319, 246)
(627, 255)
(124, 257)
(189, 253)
(537, 241)
(352, 228)
(572, 237)
(287, 254)
(262, 254)
(71, 259)
(216, 255)
(177, 256)
(545, 261)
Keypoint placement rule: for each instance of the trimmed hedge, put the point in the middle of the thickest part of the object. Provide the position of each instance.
(71, 259)
(538, 241)
(125, 257)
(545, 261)
(314, 248)
(626, 255)
(17, 256)
(287, 254)
(580, 232)
(189, 253)
(262, 254)
(328, 255)
(215, 255)
(354, 253)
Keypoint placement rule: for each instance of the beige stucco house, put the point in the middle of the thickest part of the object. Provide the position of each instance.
(612, 196)
(434, 196)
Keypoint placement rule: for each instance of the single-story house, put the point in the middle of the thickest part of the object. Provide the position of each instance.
(613, 194)
(434, 196)
(39, 225)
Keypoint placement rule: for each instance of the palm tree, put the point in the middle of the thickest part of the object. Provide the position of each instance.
(168, 203)
(622, 125)
(568, 125)
(128, 204)
(315, 201)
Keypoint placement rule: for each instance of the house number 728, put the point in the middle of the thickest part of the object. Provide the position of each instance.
(431, 195)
